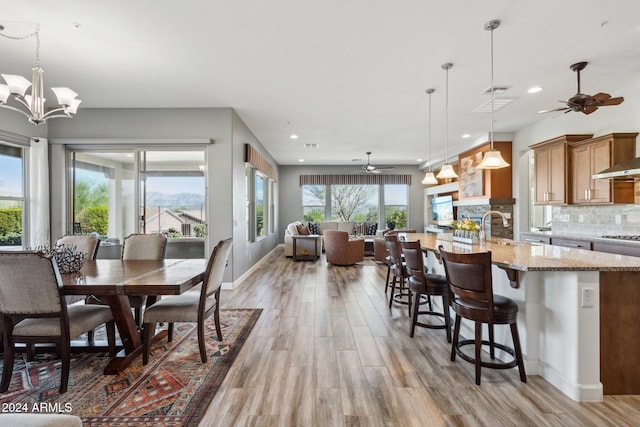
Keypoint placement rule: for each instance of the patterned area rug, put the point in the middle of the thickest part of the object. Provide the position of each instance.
(174, 389)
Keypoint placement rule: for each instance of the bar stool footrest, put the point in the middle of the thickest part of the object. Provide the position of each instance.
(494, 365)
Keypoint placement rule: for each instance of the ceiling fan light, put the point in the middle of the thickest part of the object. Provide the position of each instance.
(492, 160)
(429, 179)
(18, 85)
(446, 172)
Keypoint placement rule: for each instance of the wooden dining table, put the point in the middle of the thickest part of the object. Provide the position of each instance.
(114, 280)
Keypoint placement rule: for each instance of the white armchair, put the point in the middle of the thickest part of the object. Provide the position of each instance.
(301, 245)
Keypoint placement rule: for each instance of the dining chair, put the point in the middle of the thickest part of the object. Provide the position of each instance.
(421, 282)
(191, 306)
(87, 243)
(33, 310)
(397, 268)
(469, 276)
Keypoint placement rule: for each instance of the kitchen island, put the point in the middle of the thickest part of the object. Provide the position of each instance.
(578, 311)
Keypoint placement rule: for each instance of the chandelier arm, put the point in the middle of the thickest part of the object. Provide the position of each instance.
(22, 101)
(50, 113)
(10, 107)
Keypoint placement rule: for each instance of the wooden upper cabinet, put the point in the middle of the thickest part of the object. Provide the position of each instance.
(476, 183)
(591, 156)
(550, 167)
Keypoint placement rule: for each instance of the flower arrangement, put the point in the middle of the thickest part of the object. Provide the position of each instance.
(68, 258)
(465, 225)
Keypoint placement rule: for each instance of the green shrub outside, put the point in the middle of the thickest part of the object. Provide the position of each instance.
(94, 219)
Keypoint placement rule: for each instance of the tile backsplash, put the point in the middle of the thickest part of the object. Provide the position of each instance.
(596, 220)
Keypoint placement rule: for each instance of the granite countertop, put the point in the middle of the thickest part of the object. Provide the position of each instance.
(526, 256)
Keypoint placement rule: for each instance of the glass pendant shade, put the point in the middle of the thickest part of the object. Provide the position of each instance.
(4, 93)
(447, 172)
(492, 160)
(18, 85)
(429, 179)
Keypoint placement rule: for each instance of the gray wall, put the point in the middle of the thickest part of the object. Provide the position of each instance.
(291, 193)
(177, 125)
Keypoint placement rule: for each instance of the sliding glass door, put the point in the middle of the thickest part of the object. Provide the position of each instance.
(119, 192)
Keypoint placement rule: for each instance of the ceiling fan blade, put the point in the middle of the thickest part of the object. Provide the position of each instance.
(556, 109)
(601, 97)
(384, 167)
(612, 101)
(376, 171)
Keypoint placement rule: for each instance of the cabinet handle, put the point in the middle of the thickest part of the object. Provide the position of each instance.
(590, 196)
(549, 197)
(586, 194)
(546, 197)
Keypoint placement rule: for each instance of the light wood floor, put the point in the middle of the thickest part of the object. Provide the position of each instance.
(327, 351)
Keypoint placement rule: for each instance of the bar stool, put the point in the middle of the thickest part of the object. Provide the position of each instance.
(469, 277)
(398, 270)
(423, 283)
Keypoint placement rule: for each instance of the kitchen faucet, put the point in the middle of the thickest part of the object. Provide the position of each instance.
(483, 233)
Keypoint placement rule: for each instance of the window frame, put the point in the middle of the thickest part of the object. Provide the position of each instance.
(25, 196)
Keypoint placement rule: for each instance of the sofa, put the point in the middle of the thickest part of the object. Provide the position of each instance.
(367, 229)
(341, 250)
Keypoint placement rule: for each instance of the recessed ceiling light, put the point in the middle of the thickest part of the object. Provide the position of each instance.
(534, 89)
(466, 135)
(293, 136)
(419, 160)
(310, 145)
(301, 160)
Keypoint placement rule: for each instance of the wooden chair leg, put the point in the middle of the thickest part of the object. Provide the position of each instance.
(7, 372)
(216, 318)
(393, 289)
(147, 333)
(201, 343)
(170, 332)
(90, 336)
(456, 333)
(414, 318)
(492, 347)
(386, 283)
(31, 352)
(518, 350)
(65, 355)
(447, 316)
(478, 343)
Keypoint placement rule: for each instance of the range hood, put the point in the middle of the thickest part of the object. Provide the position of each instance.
(628, 169)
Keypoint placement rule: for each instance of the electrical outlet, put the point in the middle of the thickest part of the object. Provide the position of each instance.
(587, 297)
(580, 218)
(618, 219)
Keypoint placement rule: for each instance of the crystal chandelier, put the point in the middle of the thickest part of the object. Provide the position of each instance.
(492, 159)
(32, 105)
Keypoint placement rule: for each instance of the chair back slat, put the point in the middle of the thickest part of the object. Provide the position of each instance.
(86, 243)
(393, 247)
(469, 275)
(29, 283)
(414, 261)
(215, 268)
(144, 247)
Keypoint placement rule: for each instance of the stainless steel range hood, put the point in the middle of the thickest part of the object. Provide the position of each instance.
(629, 169)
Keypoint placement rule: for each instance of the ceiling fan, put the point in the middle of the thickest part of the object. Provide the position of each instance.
(369, 168)
(586, 104)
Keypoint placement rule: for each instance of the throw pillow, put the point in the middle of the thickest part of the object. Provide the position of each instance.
(303, 230)
(359, 228)
(371, 228)
(314, 227)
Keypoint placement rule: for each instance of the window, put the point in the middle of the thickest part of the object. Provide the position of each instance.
(117, 193)
(395, 205)
(313, 202)
(12, 196)
(260, 209)
(354, 203)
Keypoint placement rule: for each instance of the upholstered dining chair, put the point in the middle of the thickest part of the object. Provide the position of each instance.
(46, 318)
(84, 243)
(191, 306)
(469, 276)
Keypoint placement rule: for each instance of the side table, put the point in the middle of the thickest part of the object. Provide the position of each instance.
(307, 257)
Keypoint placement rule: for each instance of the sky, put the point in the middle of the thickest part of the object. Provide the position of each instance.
(10, 176)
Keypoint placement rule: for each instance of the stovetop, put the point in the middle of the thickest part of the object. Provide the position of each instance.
(622, 237)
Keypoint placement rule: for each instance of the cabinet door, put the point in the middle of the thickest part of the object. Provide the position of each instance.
(541, 163)
(600, 160)
(557, 163)
(581, 173)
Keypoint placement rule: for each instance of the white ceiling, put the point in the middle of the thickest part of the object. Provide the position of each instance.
(349, 76)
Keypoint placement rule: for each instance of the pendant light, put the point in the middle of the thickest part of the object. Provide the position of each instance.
(429, 177)
(447, 172)
(492, 159)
